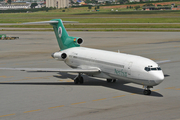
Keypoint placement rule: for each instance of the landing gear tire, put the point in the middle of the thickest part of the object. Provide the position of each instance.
(79, 79)
(147, 92)
(114, 80)
(109, 80)
(76, 81)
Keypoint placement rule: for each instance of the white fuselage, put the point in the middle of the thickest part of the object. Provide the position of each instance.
(114, 65)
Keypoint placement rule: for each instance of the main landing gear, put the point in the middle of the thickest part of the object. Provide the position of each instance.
(147, 90)
(79, 79)
(111, 80)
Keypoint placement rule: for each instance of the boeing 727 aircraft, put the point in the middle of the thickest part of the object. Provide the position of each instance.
(100, 63)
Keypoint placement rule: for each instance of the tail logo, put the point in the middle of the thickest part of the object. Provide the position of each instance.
(60, 31)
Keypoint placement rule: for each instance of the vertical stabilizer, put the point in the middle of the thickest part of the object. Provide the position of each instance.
(64, 40)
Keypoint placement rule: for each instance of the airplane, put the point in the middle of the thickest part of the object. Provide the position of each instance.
(100, 63)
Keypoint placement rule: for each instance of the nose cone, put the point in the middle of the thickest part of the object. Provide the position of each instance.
(158, 77)
(52, 55)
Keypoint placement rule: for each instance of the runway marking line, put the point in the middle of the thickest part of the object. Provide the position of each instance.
(6, 76)
(155, 90)
(7, 115)
(99, 99)
(77, 103)
(119, 96)
(3, 76)
(56, 107)
(133, 93)
(14, 81)
(26, 78)
(170, 88)
(67, 80)
(32, 111)
(174, 88)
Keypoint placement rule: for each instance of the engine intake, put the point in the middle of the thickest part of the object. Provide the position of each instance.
(59, 56)
(63, 55)
(79, 41)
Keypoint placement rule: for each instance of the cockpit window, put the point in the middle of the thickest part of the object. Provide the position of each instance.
(159, 68)
(151, 68)
(147, 69)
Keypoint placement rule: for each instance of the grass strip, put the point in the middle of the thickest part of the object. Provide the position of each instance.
(121, 30)
(100, 20)
(98, 26)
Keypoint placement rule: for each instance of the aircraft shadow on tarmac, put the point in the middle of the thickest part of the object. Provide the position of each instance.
(89, 81)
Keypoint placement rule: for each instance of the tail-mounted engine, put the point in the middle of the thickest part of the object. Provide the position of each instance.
(73, 42)
(78, 41)
(59, 56)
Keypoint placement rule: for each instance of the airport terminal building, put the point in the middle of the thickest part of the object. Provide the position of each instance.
(57, 3)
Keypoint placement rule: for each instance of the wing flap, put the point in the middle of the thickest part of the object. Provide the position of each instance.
(90, 70)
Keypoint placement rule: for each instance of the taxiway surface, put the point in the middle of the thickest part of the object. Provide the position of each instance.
(53, 96)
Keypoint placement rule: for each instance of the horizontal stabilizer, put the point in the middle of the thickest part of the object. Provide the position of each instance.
(4, 24)
(48, 22)
(41, 22)
(91, 70)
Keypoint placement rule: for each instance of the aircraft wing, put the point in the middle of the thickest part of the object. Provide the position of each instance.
(164, 61)
(77, 70)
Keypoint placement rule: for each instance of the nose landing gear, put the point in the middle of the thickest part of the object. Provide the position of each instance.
(147, 90)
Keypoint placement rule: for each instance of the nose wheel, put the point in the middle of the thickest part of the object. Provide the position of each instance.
(147, 90)
(111, 80)
(78, 79)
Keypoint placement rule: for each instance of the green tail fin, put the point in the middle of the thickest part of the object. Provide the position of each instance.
(64, 40)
